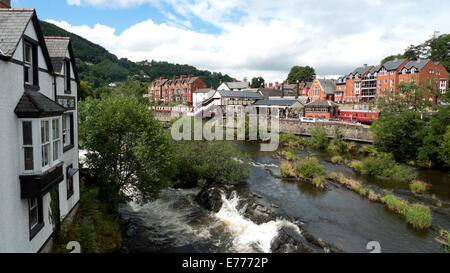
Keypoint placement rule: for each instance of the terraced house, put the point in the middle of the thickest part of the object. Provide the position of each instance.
(179, 89)
(38, 118)
(368, 82)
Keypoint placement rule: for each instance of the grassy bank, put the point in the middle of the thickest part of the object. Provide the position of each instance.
(417, 215)
(308, 169)
(93, 227)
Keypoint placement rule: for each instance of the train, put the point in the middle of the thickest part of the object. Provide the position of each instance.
(363, 116)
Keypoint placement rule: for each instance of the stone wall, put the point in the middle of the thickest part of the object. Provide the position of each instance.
(352, 132)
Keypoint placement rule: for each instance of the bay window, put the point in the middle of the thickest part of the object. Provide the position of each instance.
(41, 144)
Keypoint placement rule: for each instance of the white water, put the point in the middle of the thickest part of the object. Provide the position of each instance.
(228, 229)
(247, 236)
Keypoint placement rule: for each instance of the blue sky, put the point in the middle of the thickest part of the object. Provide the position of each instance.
(250, 38)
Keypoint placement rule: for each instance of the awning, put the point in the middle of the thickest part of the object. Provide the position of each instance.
(72, 171)
(34, 104)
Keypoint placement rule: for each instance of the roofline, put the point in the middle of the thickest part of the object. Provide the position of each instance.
(16, 9)
(56, 38)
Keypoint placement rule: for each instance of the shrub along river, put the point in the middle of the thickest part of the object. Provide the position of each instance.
(338, 216)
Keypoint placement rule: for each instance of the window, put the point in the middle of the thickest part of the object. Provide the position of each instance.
(50, 141)
(431, 71)
(56, 139)
(69, 182)
(67, 129)
(443, 85)
(392, 82)
(27, 145)
(438, 72)
(67, 81)
(45, 142)
(28, 63)
(35, 216)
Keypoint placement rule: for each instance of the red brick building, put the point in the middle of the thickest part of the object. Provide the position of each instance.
(178, 90)
(368, 82)
(322, 89)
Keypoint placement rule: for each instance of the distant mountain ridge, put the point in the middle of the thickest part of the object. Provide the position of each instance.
(99, 67)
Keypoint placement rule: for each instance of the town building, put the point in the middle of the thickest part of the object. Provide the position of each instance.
(38, 115)
(200, 95)
(234, 86)
(178, 89)
(287, 108)
(322, 89)
(322, 109)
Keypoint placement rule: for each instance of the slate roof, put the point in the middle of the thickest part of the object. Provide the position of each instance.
(362, 70)
(270, 92)
(170, 82)
(13, 23)
(303, 99)
(34, 104)
(237, 85)
(206, 90)
(419, 64)
(240, 94)
(276, 102)
(328, 85)
(393, 65)
(321, 103)
(57, 48)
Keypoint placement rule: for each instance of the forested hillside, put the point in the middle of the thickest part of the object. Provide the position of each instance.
(98, 67)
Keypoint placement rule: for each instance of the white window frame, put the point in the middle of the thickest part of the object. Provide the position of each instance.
(35, 207)
(28, 63)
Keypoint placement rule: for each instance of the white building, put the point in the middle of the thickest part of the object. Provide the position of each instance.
(234, 86)
(38, 119)
(200, 95)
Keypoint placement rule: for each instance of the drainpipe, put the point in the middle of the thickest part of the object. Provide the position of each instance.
(54, 88)
(282, 90)
(296, 91)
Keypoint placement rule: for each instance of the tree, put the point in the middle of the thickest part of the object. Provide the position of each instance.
(301, 74)
(319, 138)
(84, 90)
(257, 82)
(208, 162)
(127, 150)
(391, 58)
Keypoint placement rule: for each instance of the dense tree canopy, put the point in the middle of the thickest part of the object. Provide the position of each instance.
(301, 73)
(126, 148)
(257, 82)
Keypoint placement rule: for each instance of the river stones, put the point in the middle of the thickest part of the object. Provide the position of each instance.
(210, 198)
(288, 241)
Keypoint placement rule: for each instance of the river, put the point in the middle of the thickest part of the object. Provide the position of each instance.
(175, 223)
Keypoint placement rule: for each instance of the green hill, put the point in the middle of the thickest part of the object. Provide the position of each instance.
(99, 67)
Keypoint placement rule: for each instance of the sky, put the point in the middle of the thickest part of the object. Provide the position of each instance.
(251, 38)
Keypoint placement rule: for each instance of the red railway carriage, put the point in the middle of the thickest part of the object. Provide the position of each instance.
(364, 116)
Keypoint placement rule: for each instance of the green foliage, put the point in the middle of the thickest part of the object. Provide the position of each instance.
(399, 206)
(417, 186)
(257, 82)
(301, 73)
(369, 150)
(399, 133)
(214, 162)
(319, 182)
(310, 168)
(126, 148)
(419, 216)
(319, 138)
(435, 151)
(337, 159)
(287, 170)
(288, 155)
(93, 227)
(384, 166)
(338, 145)
(289, 140)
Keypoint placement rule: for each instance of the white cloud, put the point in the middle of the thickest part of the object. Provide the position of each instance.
(266, 38)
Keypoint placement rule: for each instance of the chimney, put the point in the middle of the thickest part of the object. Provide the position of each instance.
(5, 4)
(182, 77)
(287, 82)
(365, 65)
(245, 79)
(270, 85)
(276, 84)
(221, 81)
